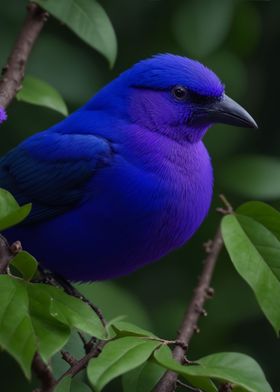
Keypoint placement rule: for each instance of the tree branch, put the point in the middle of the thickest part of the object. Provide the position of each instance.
(71, 290)
(228, 387)
(13, 72)
(82, 363)
(43, 373)
(10, 83)
(7, 253)
(92, 347)
(195, 309)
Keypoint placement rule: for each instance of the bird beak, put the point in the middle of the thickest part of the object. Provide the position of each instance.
(225, 111)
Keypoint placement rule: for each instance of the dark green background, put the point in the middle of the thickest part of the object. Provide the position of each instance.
(240, 41)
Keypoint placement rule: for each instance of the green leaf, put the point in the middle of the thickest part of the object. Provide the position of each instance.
(201, 26)
(123, 328)
(88, 20)
(110, 330)
(38, 92)
(26, 324)
(16, 330)
(262, 213)
(118, 357)
(74, 312)
(252, 176)
(10, 212)
(142, 379)
(51, 334)
(238, 369)
(163, 357)
(255, 253)
(25, 264)
(38, 317)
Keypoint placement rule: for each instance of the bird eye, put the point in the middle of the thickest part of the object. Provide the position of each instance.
(180, 93)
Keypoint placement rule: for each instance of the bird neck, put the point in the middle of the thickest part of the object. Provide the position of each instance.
(160, 154)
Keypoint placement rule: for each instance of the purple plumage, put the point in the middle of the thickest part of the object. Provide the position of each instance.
(125, 179)
(3, 115)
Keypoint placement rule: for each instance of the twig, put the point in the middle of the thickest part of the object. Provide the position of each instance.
(10, 84)
(91, 350)
(226, 387)
(71, 290)
(13, 72)
(228, 207)
(7, 253)
(195, 309)
(82, 363)
(67, 357)
(87, 344)
(59, 281)
(44, 374)
(188, 387)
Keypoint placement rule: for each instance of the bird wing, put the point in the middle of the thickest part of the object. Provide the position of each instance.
(51, 170)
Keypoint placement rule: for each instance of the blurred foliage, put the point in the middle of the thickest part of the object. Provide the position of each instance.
(88, 20)
(252, 176)
(239, 40)
(37, 317)
(194, 20)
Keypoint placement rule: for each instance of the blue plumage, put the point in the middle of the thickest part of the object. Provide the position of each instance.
(126, 178)
(52, 171)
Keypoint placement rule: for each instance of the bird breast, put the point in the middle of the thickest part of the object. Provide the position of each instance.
(176, 186)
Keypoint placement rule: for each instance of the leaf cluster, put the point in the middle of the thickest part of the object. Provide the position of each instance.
(37, 317)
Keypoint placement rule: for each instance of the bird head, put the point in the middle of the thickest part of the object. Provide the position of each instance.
(179, 97)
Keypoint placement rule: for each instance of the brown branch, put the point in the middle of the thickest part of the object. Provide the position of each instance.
(71, 290)
(203, 291)
(88, 344)
(194, 311)
(58, 281)
(10, 84)
(67, 357)
(7, 253)
(44, 374)
(13, 72)
(228, 387)
(82, 363)
(92, 347)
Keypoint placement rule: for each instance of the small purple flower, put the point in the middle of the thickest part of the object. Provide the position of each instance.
(3, 115)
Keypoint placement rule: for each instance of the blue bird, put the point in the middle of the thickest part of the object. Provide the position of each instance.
(126, 178)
